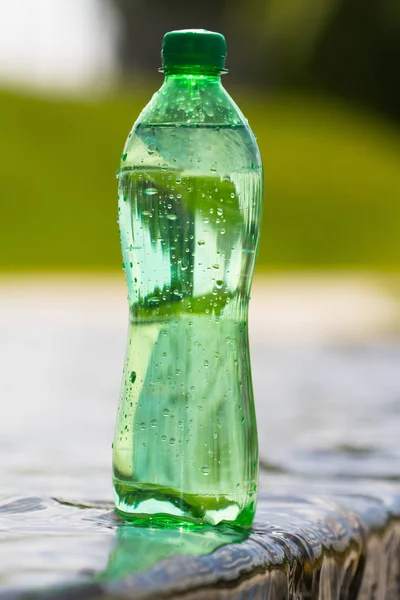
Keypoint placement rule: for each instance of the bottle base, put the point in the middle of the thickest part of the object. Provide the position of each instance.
(150, 503)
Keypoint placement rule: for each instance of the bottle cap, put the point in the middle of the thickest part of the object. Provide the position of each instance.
(187, 47)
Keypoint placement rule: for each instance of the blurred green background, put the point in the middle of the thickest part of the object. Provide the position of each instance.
(318, 80)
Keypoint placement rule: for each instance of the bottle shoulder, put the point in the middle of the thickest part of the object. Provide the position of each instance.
(196, 128)
(189, 101)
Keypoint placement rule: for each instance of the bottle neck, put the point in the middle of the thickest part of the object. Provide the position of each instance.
(191, 73)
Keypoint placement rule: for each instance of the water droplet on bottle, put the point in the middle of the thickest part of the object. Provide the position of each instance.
(222, 231)
(124, 156)
(201, 242)
(172, 217)
(153, 423)
(172, 441)
(220, 211)
(133, 377)
(165, 412)
(152, 148)
(215, 266)
(164, 167)
(219, 283)
(205, 470)
(213, 168)
(142, 425)
(163, 438)
(206, 363)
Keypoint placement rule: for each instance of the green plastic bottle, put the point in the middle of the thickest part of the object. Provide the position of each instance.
(190, 202)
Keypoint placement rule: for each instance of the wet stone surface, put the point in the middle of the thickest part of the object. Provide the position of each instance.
(332, 545)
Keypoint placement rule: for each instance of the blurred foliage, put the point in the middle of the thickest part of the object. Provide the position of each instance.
(358, 54)
(349, 48)
(332, 182)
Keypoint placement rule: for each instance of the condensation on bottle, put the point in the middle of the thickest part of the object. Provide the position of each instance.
(190, 201)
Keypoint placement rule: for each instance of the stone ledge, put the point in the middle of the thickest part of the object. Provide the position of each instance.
(338, 546)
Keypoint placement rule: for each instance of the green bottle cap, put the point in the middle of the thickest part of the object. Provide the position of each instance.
(187, 47)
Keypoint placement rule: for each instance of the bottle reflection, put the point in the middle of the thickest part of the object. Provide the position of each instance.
(139, 547)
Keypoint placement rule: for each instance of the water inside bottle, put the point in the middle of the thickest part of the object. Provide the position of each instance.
(186, 442)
